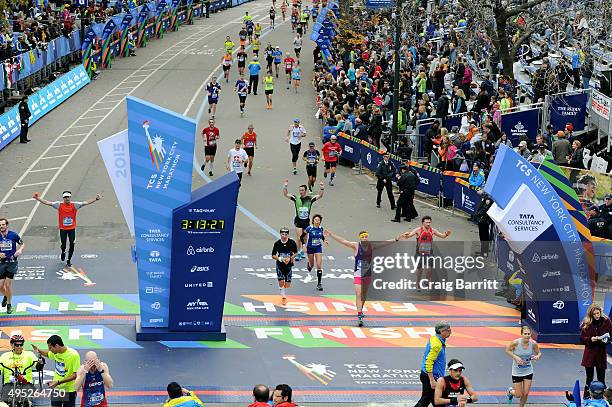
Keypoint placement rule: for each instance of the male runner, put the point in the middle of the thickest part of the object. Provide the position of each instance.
(67, 211)
(94, 378)
(272, 16)
(256, 44)
(236, 159)
(331, 152)
(304, 17)
(454, 389)
(297, 45)
(284, 10)
(246, 18)
(254, 68)
(288, 62)
(249, 141)
(242, 36)
(11, 247)
(226, 61)
(213, 88)
(284, 252)
(295, 134)
(278, 55)
(17, 359)
(241, 58)
(229, 45)
(242, 89)
(210, 135)
(303, 204)
(294, 19)
(250, 26)
(311, 157)
(269, 57)
(257, 30)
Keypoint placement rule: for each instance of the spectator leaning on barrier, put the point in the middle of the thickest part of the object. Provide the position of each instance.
(477, 176)
(180, 397)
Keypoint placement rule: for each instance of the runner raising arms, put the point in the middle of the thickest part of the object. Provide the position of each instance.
(288, 62)
(249, 140)
(210, 135)
(362, 271)
(284, 252)
(522, 351)
(213, 88)
(311, 157)
(303, 204)
(227, 65)
(295, 134)
(331, 152)
(314, 249)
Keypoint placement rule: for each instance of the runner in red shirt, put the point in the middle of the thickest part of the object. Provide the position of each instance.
(331, 152)
(289, 63)
(67, 211)
(210, 135)
(249, 141)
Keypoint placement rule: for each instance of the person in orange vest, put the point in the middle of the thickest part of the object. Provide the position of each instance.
(67, 211)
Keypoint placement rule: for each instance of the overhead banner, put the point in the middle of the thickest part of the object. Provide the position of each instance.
(564, 109)
(161, 146)
(522, 123)
(202, 234)
(115, 152)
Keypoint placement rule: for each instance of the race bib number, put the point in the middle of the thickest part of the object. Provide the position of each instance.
(237, 162)
(67, 221)
(212, 142)
(315, 242)
(311, 160)
(303, 212)
(333, 153)
(6, 245)
(425, 248)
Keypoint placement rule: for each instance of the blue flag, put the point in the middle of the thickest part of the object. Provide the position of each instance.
(576, 393)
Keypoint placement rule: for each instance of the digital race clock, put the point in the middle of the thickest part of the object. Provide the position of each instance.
(202, 224)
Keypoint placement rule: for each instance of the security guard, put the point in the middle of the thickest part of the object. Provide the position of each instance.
(385, 172)
(407, 183)
(24, 117)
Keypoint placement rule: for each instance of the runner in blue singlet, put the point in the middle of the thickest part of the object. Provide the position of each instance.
(314, 249)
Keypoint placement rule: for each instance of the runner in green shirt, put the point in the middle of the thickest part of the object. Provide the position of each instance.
(67, 362)
(268, 82)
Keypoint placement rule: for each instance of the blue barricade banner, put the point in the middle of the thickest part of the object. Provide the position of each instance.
(431, 179)
(453, 121)
(161, 159)
(566, 109)
(370, 157)
(448, 182)
(465, 198)
(202, 232)
(379, 4)
(351, 150)
(42, 102)
(521, 123)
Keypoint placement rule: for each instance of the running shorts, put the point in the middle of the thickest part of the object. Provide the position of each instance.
(213, 101)
(8, 270)
(242, 98)
(250, 151)
(287, 71)
(313, 250)
(282, 276)
(241, 64)
(226, 68)
(301, 223)
(295, 151)
(210, 150)
(362, 280)
(519, 379)
(269, 91)
(311, 171)
(330, 164)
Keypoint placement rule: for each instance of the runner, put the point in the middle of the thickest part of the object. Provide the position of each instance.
(67, 211)
(246, 18)
(288, 62)
(242, 36)
(450, 390)
(227, 65)
(258, 28)
(297, 73)
(299, 28)
(242, 89)
(314, 249)
(278, 55)
(237, 159)
(23, 361)
(93, 378)
(284, 252)
(268, 82)
(269, 57)
(303, 204)
(229, 45)
(241, 57)
(272, 16)
(304, 17)
(331, 153)
(362, 272)
(210, 135)
(314, 12)
(424, 236)
(311, 157)
(294, 19)
(11, 247)
(250, 27)
(522, 351)
(213, 88)
(256, 43)
(284, 10)
(249, 140)
(295, 134)
(297, 45)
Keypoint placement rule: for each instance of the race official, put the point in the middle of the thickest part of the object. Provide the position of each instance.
(11, 247)
(93, 378)
(385, 172)
(407, 183)
(180, 397)
(24, 118)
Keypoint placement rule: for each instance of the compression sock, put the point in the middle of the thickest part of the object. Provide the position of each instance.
(319, 276)
(282, 291)
(333, 174)
(309, 267)
(325, 175)
(211, 166)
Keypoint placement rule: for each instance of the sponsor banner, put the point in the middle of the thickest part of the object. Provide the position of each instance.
(465, 198)
(375, 4)
(448, 182)
(564, 109)
(115, 151)
(42, 102)
(430, 179)
(109, 28)
(600, 104)
(351, 149)
(370, 157)
(159, 19)
(124, 28)
(202, 232)
(521, 124)
(161, 145)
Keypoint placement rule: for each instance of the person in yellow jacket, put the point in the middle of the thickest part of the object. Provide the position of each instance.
(180, 397)
(229, 45)
(268, 82)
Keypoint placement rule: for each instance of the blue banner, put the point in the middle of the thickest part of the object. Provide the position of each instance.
(564, 109)
(379, 4)
(202, 233)
(430, 181)
(522, 123)
(448, 182)
(161, 159)
(351, 150)
(370, 158)
(465, 198)
(42, 102)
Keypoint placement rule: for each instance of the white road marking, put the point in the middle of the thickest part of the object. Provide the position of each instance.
(19, 218)
(71, 135)
(29, 185)
(46, 169)
(55, 156)
(19, 201)
(62, 146)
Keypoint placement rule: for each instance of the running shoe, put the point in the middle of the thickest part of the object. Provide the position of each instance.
(4, 301)
(319, 287)
(9, 309)
(360, 319)
(210, 173)
(63, 256)
(68, 264)
(509, 395)
(331, 182)
(308, 278)
(294, 171)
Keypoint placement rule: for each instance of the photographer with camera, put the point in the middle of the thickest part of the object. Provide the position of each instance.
(180, 397)
(16, 366)
(94, 378)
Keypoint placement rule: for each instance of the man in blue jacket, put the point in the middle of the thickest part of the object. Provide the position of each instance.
(434, 363)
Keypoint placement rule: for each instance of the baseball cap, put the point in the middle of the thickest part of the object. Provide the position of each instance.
(284, 230)
(66, 194)
(296, 120)
(523, 144)
(597, 387)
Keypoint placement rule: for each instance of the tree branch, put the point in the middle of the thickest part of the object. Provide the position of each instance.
(518, 10)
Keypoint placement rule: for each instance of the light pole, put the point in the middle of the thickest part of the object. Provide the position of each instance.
(396, 76)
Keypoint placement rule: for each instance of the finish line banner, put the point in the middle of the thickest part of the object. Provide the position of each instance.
(161, 145)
